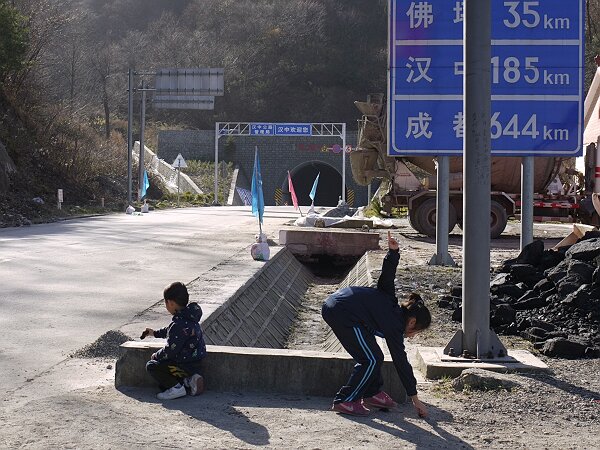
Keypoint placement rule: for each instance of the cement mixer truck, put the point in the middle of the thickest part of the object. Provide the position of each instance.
(410, 181)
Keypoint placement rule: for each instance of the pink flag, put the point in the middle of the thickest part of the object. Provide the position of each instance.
(292, 192)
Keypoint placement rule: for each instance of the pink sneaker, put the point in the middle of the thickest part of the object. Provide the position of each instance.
(351, 408)
(381, 401)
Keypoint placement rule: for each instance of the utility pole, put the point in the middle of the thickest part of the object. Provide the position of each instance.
(129, 136)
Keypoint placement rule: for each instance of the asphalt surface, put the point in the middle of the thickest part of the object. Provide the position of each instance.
(67, 283)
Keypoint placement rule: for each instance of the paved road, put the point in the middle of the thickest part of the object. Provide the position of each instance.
(65, 284)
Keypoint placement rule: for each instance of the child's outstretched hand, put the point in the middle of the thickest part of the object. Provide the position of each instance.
(392, 242)
(419, 406)
(146, 332)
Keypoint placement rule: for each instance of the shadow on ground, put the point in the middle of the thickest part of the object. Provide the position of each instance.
(227, 412)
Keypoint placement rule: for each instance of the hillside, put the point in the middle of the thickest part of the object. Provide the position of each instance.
(31, 173)
(64, 66)
(63, 75)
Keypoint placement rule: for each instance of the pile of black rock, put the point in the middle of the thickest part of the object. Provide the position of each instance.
(550, 297)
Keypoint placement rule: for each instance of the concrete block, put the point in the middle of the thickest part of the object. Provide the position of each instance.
(339, 243)
(432, 362)
(245, 369)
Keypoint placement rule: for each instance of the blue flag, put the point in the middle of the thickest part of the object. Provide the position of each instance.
(145, 184)
(258, 201)
(313, 191)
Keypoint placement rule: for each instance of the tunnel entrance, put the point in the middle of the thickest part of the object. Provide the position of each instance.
(303, 176)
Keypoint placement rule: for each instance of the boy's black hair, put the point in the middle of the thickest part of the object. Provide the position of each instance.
(177, 292)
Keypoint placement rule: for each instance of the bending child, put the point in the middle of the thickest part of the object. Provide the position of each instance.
(176, 366)
(358, 314)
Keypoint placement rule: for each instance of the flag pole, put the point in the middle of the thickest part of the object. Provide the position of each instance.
(313, 193)
(256, 175)
(257, 196)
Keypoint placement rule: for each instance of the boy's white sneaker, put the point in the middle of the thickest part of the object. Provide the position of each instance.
(175, 392)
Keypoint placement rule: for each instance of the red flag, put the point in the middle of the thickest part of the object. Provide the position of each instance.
(292, 192)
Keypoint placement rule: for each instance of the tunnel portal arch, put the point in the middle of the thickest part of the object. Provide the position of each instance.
(329, 189)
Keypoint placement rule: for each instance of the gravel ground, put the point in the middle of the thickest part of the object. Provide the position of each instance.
(560, 409)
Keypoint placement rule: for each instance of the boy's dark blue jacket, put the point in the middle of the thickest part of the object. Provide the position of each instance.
(185, 342)
(378, 311)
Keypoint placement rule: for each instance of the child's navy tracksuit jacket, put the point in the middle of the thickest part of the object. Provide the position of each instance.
(356, 315)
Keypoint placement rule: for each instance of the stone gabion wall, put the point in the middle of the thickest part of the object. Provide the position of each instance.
(278, 154)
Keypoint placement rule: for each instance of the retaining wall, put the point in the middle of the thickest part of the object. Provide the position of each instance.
(262, 311)
(237, 369)
(251, 327)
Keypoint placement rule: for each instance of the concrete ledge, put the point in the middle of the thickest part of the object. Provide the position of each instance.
(318, 242)
(247, 369)
(432, 362)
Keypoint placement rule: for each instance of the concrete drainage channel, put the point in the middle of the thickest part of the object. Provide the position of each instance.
(262, 311)
(246, 336)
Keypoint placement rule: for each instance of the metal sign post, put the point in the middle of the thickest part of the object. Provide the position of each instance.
(442, 257)
(142, 143)
(281, 129)
(477, 164)
(527, 174)
(343, 164)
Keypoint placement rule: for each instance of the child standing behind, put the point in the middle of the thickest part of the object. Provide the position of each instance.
(356, 315)
(176, 366)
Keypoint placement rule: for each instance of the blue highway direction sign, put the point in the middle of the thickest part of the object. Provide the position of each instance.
(536, 69)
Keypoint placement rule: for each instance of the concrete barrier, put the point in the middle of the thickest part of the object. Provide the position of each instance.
(261, 311)
(310, 243)
(245, 369)
(166, 172)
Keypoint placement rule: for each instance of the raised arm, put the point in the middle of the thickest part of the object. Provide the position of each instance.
(388, 269)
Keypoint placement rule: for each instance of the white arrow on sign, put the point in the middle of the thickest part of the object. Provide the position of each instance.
(179, 162)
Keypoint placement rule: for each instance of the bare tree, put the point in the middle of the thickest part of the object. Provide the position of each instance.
(46, 20)
(101, 62)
